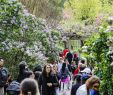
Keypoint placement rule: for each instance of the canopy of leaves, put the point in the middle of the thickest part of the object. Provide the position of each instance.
(84, 17)
(84, 9)
(99, 54)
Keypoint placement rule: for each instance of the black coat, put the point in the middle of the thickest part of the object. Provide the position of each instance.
(46, 90)
(74, 88)
(69, 57)
(24, 74)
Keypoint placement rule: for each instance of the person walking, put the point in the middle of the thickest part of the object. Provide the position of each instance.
(95, 89)
(77, 84)
(3, 76)
(47, 82)
(65, 77)
(24, 72)
(29, 87)
(37, 72)
(69, 57)
(85, 88)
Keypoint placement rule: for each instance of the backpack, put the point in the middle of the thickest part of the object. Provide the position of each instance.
(14, 86)
(64, 74)
(3, 77)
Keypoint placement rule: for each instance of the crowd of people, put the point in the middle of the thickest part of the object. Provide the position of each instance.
(51, 79)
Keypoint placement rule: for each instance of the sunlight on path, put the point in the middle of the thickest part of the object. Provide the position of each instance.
(67, 92)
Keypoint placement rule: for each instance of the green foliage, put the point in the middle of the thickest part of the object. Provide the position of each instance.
(107, 6)
(88, 10)
(98, 54)
(23, 36)
(47, 9)
(85, 9)
(53, 50)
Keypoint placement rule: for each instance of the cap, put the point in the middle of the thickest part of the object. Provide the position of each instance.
(86, 70)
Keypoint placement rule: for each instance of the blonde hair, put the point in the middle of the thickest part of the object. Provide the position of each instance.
(91, 81)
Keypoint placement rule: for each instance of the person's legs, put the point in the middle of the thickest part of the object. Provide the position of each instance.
(57, 91)
(69, 85)
(63, 86)
(2, 91)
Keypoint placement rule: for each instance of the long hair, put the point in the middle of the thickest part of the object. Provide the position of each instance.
(91, 81)
(44, 70)
(29, 87)
(63, 67)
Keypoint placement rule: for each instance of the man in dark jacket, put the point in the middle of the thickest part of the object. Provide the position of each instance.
(69, 57)
(3, 76)
(77, 85)
(24, 72)
(37, 72)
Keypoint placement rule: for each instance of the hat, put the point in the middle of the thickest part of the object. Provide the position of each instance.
(22, 64)
(37, 68)
(86, 70)
(84, 78)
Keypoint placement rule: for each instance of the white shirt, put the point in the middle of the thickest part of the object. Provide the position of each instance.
(82, 90)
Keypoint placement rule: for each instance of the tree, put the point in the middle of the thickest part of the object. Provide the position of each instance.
(23, 36)
(47, 9)
(100, 54)
(84, 9)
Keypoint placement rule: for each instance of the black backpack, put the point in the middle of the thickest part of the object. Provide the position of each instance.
(64, 74)
(3, 77)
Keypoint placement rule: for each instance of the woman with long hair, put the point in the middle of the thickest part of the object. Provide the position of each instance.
(65, 76)
(47, 82)
(85, 88)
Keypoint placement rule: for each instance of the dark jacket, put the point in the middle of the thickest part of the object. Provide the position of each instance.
(37, 72)
(46, 90)
(37, 68)
(74, 88)
(69, 57)
(24, 74)
(37, 76)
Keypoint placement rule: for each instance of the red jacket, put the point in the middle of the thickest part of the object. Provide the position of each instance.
(65, 51)
(77, 70)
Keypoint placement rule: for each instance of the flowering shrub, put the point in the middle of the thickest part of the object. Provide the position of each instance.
(100, 55)
(23, 36)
